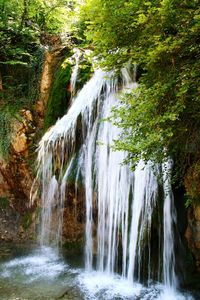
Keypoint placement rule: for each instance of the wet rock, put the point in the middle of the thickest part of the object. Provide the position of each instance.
(20, 133)
(28, 116)
(20, 143)
(16, 181)
(193, 233)
(197, 214)
(73, 217)
(17, 219)
(51, 61)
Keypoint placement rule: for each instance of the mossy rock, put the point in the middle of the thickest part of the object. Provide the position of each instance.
(77, 246)
(192, 184)
(4, 202)
(26, 220)
(60, 96)
(85, 71)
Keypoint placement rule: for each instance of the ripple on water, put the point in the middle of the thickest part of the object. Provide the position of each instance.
(43, 263)
(98, 286)
(44, 274)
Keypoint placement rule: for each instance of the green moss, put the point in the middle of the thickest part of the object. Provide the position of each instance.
(26, 221)
(4, 202)
(5, 133)
(77, 246)
(85, 71)
(60, 96)
(191, 181)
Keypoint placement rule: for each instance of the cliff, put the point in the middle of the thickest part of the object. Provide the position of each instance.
(17, 163)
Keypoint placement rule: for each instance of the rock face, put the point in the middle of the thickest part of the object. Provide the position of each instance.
(17, 218)
(51, 61)
(15, 182)
(193, 233)
(74, 216)
(21, 130)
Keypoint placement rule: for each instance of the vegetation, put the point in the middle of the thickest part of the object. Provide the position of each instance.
(19, 90)
(4, 202)
(23, 22)
(162, 117)
(25, 26)
(59, 99)
(61, 93)
(26, 221)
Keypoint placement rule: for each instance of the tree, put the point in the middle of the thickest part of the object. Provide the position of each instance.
(162, 117)
(21, 56)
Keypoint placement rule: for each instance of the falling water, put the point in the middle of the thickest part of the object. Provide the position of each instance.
(144, 200)
(169, 213)
(125, 201)
(74, 75)
(55, 154)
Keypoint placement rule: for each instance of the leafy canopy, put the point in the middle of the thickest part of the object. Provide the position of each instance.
(162, 117)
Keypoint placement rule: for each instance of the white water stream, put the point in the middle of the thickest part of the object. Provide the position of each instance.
(75, 71)
(119, 239)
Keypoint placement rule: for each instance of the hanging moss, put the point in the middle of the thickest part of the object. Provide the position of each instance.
(85, 71)
(60, 95)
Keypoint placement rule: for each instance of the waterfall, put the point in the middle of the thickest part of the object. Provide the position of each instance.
(74, 75)
(119, 237)
(169, 214)
(55, 154)
(144, 200)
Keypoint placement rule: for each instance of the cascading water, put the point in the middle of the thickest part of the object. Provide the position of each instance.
(169, 220)
(74, 75)
(55, 155)
(119, 239)
(144, 201)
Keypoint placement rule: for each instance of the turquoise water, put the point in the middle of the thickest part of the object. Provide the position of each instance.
(29, 273)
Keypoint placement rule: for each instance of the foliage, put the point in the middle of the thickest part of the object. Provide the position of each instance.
(51, 16)
(9, 108)
(85, 71)
(19, 90)
(61, 94)
(23, 22)
(162, 117)
(5, 133)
